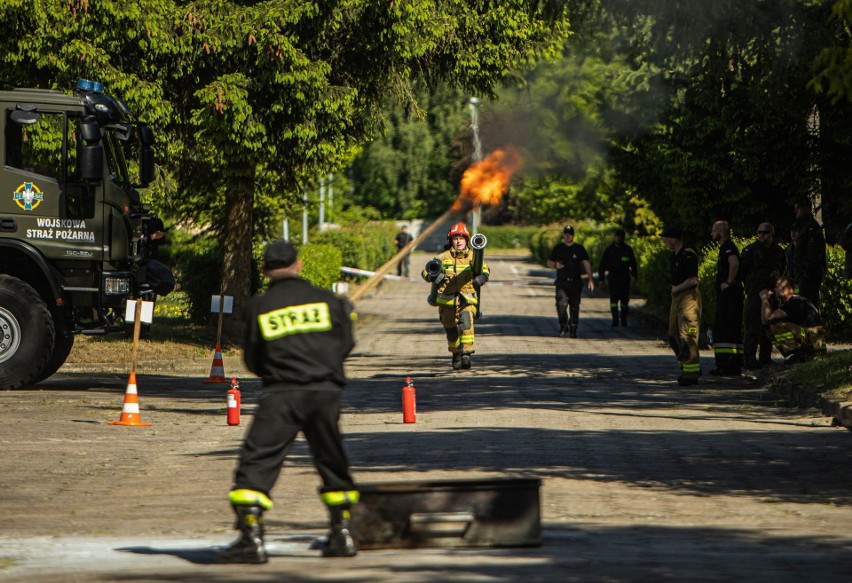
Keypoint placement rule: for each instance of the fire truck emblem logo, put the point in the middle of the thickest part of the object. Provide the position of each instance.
(28, 196)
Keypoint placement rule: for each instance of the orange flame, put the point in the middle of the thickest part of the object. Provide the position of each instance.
(485, 182)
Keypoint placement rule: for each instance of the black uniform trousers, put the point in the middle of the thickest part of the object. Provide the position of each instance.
(568, 295)
(619, 293)
(280, 415)
(755, 338)
(728, 327)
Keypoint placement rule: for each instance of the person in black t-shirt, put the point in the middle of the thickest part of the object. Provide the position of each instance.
(727, 326)
(618, 268)
(572, 265)
(795, 326)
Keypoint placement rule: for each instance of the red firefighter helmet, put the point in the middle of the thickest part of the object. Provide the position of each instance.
(458, 229)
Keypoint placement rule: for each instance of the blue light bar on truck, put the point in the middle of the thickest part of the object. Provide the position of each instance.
(93, 86)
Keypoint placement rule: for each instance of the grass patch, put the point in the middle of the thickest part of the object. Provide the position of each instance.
(829, 375)
(170, 338)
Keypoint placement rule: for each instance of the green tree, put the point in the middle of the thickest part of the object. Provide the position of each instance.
(732, 138)
(834, 63)
(254, 99)
(406, 171)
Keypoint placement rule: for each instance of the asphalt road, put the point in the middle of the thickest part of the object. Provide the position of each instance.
(642, 480)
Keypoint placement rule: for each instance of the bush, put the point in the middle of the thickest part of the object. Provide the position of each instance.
(654, 280)
(508, 237)
(321, 264)
(351, 244)
(836, 296)
(365, 247)
(197, 263)
(543, 241)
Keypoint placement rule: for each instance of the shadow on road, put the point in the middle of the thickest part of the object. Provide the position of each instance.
(578, 553)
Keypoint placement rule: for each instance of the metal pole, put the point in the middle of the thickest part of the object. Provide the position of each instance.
(304, 219)
(330, 196)
(137, 327)
(322, 205)
(285, 229)
(477, 157)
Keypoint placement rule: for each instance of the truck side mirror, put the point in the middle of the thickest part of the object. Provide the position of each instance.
(146, 135)
(146, 166)
(147, 169)
(91, 151)
(92, 162)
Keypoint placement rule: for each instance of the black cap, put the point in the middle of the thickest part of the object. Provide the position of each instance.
(672, 232)
(619, 233)
(569, 230)
(280, 253)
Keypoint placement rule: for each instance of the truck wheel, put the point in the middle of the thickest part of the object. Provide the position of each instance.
(26, 333)
(62, 345)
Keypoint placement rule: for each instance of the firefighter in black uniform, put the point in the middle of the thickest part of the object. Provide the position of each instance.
(761, 263)
(297, 337)
(810, 263)
(572, 265)
(727, 325)
(618, 268)
(685, 311)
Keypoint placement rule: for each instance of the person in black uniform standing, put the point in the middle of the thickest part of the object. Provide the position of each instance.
(761, 263)
(685, 311)
(572, 265)
(297, 337)
(402, 239)
(810, 263)
(618, 268)
(727, 326)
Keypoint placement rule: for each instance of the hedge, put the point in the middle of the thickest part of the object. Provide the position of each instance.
(508, 236)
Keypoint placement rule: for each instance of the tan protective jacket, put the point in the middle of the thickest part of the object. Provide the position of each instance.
(458, 278)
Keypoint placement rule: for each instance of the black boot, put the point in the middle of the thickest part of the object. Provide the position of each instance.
(249, 547)
(624, 312)
(457, 360)
(465, 360)
(572, 333)
(339, 542)
(614, 318)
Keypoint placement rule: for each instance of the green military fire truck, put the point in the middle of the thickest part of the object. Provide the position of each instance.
(72, 226)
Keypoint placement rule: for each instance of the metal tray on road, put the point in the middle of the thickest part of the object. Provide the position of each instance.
(496, 512)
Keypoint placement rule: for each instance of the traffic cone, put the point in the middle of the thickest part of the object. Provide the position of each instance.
(130, 411)
(217, 370)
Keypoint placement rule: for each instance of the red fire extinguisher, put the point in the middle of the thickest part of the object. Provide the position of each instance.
(234, 402)
(409, 402)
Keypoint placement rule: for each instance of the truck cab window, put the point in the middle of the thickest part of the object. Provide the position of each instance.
(36, 148)
(116, 161)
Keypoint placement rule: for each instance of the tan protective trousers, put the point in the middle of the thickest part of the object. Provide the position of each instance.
(684, 322)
